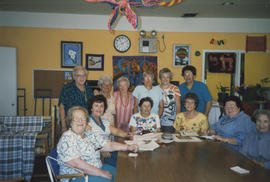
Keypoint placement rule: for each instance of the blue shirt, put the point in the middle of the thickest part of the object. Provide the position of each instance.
(198, 88)
(237, 127)
(71, 96)
(257, 146)
(155, 94)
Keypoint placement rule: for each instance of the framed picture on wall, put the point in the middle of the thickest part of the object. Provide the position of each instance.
(220, 62)
(71, 54)
(181, 55)
(95, 62)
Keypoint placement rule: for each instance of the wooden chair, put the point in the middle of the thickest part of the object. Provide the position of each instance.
(53, 168)
(46, 140)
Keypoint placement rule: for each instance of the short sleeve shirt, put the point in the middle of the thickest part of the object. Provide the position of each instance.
(201, 90)
(98, 130)
(155, 94)
(151, 123)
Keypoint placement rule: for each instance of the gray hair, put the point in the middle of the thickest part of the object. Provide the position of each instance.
(103, 79)
(123, 79)
(76, 108)
(148, 73)
(77, 68)
(165, 70)
(259, 112)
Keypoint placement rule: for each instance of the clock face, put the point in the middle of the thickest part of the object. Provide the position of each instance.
(122, 43)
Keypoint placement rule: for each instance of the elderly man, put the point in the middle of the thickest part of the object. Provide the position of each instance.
(75, 93)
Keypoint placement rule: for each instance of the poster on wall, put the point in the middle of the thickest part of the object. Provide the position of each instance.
(133, 67)
(71, 54)
(221, 62)
(181, 55)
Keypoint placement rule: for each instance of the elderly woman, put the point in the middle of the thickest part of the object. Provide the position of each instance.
(257, 144)
(144, 121)
(75, 93)
(105, 83)
(124, 103)
(233, 127)
(147, 90)
(100, 125)
(171, 100)
(191, 122)
(78, 147)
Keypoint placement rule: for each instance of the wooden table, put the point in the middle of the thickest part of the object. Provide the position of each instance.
(188, 162)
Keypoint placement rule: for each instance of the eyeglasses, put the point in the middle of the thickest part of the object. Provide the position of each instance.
(79, 119)
(78, 75)
(188, 74)
(230, 107)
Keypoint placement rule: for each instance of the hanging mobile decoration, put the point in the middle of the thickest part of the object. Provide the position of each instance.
(124, 7)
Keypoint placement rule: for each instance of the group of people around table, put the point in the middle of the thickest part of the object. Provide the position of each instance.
(90, 121)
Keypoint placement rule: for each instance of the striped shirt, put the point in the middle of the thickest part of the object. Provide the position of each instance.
(124, 110)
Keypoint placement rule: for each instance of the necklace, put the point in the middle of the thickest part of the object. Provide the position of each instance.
(127, 100)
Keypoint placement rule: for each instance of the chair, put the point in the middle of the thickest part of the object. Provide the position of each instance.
(53, 168)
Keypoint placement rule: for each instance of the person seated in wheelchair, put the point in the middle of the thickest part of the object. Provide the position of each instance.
(78, 149)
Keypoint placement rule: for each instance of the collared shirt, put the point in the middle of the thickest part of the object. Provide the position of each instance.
(257, 146)
(71, 96)
(72, 146)
(237, 127)
(198, 88)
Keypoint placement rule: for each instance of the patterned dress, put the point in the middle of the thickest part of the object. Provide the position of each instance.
(124, 110)
(151, 123)
(110, 112)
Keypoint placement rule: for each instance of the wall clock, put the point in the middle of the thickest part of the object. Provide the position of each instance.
(121, 43)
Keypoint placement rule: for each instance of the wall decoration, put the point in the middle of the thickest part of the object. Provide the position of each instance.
(68, 75)
(133, 67)
(218, 42)
(95, 62)
(256, 43)
(220, 62)
(124, 7)
(71, 54)
(181, 55)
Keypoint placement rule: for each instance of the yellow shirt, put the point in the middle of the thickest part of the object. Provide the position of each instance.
(198, 124)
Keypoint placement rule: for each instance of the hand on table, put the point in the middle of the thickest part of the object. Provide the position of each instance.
(133, 148)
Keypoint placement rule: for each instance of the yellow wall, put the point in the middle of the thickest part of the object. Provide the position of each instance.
(39, 48)
(257, 67)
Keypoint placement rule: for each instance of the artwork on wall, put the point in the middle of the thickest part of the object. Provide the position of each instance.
(71, 54)
(133, 67)
(95, 62)
(220, 62)
(181, 55)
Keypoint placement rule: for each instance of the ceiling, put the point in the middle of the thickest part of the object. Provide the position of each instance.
(204, 8)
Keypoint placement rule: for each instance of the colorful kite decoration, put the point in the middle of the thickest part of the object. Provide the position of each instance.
(124, 7)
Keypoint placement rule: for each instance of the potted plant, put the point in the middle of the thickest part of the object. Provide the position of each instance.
(222, 93)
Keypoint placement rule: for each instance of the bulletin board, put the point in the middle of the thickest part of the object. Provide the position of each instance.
(49, 80)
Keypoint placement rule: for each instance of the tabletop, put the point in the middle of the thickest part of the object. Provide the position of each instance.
(205, 161)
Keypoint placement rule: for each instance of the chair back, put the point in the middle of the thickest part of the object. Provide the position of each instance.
(52, 165)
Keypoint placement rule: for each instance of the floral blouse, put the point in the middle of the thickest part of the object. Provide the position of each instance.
(198, 124)
(151, 123)
(72, 146)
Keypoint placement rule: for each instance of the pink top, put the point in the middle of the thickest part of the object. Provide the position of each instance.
(124, 110)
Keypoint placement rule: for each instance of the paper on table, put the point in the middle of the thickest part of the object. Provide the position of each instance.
(208, 137)
(148, 146)
(239, 170)
(178, 138)
(148, 136)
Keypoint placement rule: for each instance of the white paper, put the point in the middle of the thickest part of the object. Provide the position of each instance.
(132, 154)
(152, 145)
(239, 170)
(208, 137)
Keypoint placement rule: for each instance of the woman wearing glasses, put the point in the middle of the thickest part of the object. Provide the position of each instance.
(233, 127)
